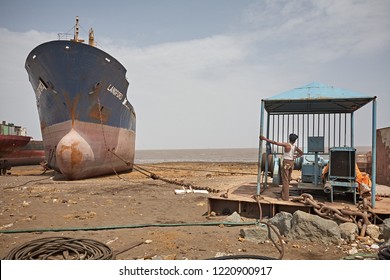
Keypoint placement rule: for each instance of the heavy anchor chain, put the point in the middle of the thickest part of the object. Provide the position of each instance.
(361, 217)
(178, 183)
(157, 177)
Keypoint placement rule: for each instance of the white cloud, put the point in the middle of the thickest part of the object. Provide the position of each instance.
(322, 31)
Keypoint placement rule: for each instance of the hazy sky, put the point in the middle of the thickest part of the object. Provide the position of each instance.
(198, 69)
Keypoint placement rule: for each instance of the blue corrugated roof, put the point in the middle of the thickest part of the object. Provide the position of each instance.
(316, 98)
(317, 91)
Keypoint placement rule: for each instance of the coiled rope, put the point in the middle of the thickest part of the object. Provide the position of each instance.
(61, 248)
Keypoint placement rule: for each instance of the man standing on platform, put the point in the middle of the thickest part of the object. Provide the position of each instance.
(290, 153)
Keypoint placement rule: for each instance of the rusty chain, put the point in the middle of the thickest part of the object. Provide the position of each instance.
(186, 185)
(360, 217)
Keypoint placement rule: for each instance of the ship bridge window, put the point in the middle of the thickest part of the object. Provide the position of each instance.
(107, 59)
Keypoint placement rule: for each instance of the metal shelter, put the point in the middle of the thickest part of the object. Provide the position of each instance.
(315, 111)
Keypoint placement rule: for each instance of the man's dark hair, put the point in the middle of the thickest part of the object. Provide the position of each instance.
(293, 137)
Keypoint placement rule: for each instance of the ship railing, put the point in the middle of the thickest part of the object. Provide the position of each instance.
(65, 36)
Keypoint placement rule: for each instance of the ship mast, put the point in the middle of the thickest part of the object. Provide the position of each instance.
(91, 41)
(76, 32)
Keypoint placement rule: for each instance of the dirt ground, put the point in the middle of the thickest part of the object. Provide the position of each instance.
(107, 208)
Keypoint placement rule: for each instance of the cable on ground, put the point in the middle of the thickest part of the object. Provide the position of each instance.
(61, 248)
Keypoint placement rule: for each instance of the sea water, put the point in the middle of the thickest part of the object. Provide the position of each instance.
(197, 155)
(249, 155)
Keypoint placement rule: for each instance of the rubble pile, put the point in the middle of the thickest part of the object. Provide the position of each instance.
(312, 228)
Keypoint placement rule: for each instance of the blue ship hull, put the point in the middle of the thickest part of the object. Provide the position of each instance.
(88, 125)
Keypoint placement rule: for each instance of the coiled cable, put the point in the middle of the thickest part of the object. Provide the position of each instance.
(61, 248)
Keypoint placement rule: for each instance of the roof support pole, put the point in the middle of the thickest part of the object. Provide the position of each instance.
(260, 149)
(373, 187)
(352, 131)
(267, 152)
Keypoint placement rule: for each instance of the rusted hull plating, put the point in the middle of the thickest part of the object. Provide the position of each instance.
(12, 143)
(87, 150)
(30, 154)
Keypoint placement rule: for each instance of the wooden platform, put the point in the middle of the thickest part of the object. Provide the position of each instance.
(241, 199)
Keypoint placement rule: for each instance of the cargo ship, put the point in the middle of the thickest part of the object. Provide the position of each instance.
(88, 125)
(12, 139)
(30, 154)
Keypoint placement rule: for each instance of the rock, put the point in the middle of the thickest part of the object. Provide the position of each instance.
(221, 254)
(386, 244)
(353, 251)
(6, 226)
(234, 218)
(26, 203)
(385, 229)
(313, 228)
(374, 246)
(282, 221)
(373, 231)
(348, 231)
(108, 242)
(258, 234)
(164, 257)
(169, 257)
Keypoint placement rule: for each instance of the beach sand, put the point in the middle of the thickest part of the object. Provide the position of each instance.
(32, 200)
